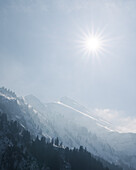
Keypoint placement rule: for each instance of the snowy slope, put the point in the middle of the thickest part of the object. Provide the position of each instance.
(75, 126)
(17, 109)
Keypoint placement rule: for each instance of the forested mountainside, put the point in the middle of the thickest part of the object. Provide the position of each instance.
(18, 150)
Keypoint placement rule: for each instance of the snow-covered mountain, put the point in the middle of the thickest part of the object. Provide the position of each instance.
(73, 124)
(16, 108)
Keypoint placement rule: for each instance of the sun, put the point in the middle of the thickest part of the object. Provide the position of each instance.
(92, 43)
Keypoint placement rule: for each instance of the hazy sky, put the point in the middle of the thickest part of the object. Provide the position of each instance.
(40, 52)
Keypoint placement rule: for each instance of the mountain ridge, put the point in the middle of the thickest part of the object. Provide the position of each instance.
(55, 120)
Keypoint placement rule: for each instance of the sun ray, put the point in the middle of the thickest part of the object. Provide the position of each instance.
(93, 43)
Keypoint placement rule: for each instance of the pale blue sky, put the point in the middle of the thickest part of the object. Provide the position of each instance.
(39, 52)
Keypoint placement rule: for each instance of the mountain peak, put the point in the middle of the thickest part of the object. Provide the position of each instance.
(70, 102)
(35, 102)
(8, 93)
(66, 100)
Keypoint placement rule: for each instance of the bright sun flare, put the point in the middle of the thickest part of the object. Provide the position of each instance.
(92, 43)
